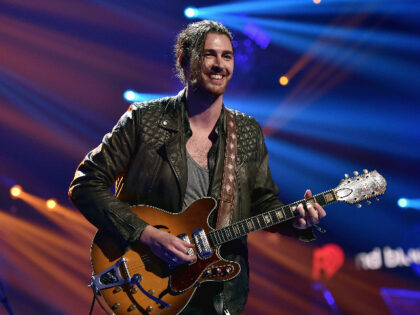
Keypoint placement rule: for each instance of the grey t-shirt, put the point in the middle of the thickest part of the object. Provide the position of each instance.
(198, 182)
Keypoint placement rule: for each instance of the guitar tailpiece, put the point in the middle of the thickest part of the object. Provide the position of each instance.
(136, 280)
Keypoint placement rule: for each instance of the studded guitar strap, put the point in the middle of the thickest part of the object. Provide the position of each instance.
(227, 197)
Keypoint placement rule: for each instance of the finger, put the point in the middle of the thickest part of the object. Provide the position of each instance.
(189, 245)
(312, 213)
(182, 257)
(178, 257)
(301, 210)
(299, 223)
(181, 252)
(321, 211)
(183, 246)
(308, 194)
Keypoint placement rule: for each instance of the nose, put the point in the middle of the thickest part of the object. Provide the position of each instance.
(218, 64)
(216, 68)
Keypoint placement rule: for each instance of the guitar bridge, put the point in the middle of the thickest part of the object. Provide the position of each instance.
(112, 276)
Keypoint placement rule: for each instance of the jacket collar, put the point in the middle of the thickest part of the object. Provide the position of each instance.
(173, 114)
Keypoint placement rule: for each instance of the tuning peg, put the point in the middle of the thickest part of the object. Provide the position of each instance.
(358, 206)
(355, 173)
(346, 176)
(365, 171)
(368, 202)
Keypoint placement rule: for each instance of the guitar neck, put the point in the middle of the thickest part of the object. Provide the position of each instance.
(266, 219)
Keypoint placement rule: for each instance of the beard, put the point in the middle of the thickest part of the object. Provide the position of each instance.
(205, 87)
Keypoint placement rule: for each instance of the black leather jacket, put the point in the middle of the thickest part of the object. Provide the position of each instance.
(145, 154)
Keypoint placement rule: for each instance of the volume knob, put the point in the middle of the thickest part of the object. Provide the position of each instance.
(116, 306)
(132, 307)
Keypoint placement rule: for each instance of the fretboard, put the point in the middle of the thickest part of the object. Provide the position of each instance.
(266, 219)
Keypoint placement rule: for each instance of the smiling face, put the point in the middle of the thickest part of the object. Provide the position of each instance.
(216, 66)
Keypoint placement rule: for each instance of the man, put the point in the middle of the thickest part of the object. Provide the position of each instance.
(167, 153)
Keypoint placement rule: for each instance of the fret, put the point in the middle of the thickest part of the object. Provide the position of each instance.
(321, 199)
(243, 229)
(211, 239)
(243, 225)
(227, 234)
(279, 214)
(241, 232)
(236, 230)
(250, 224)
(267, 219)
(288, 211)
(256, 223)
(231, 232)
(274, 217)
(219, 240)
(214, 235)
(260, 219)
(310, 200)
(329, 196)
(222, 235)
(215, 242)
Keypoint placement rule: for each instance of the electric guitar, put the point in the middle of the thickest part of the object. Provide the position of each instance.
(138, 282)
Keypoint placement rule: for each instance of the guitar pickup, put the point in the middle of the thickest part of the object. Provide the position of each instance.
(202, 243)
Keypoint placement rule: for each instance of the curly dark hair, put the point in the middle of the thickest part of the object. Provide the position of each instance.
(190, 44)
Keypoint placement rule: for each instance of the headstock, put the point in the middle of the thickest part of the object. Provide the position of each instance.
(360, 187)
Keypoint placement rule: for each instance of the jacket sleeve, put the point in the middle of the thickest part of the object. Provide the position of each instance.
(265, 195)
(90, 189)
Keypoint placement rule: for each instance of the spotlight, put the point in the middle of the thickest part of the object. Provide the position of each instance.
(190, 12)
(402, 202)
(133, 96)
(16, 191)
(317, 1)
(409, 203)
(51, 204)
(129, 95)
(284, 80)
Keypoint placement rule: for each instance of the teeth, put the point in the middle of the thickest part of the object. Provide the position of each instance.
(216, 76)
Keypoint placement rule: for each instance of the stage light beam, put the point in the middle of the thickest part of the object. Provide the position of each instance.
(190, 12)
(411, 203)
(402, 202)
(129, 95)
(133, 96)
(284, 80)
(16, 191)
(51, 204)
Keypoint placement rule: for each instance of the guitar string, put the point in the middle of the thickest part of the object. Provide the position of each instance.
(147, 259)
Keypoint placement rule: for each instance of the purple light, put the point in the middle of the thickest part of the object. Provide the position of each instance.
(329, 298)
(257, 34)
